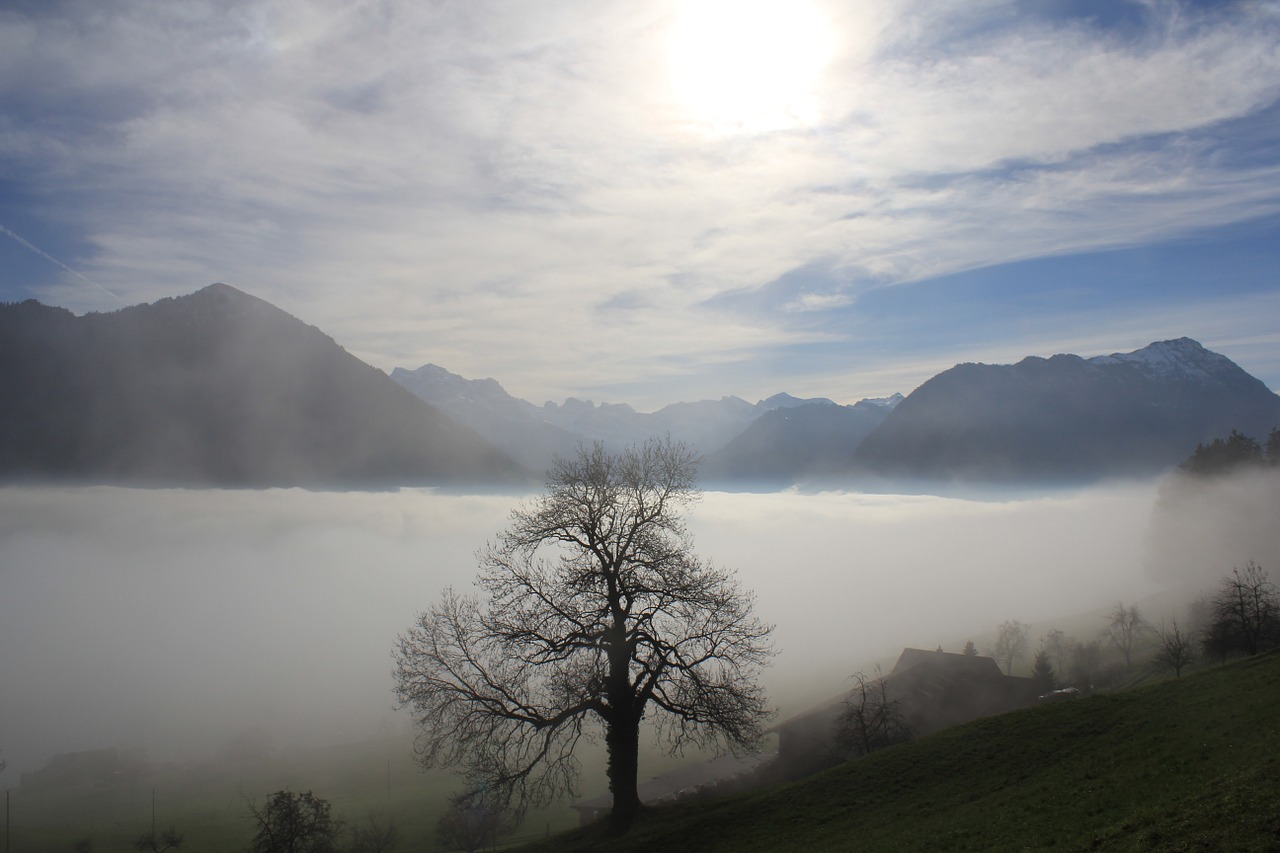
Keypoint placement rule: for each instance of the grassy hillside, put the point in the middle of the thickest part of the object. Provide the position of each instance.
(1181, 765)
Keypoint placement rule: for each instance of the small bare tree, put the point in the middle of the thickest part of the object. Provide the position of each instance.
(378, 834)
(1011, 642)
(1246, 611)
(1174, 647)
(871, 718)
(294, 823)
(1058, 645)
(158, 842)
(1042, 675)
(595, 612)
(1125, 630)
(470, 825)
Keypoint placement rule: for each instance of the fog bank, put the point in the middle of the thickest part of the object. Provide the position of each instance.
(1203, 527)
(174, 619)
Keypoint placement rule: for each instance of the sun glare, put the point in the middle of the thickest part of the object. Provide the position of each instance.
(749, 65)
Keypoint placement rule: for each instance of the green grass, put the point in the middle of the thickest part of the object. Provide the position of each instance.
(1180, 765)
(1191, 764)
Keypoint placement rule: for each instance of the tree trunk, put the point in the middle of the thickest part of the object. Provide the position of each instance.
(623, 741)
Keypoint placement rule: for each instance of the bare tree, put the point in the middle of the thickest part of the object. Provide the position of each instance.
(1086, 664)
(871, 718)
(595, 614)
(1125, 630)
(1011, 642)
(158, 842)
(1042, 674)
(294, 823)
(1174, 647)
(378, 834)
(469, 825)
(1058, 645)
(1246, 611)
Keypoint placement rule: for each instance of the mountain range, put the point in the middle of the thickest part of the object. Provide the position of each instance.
(1069, 418)
(533, 434)
(214, 388)
(221, 388)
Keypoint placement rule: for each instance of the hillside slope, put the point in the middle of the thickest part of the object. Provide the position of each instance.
(1181, 765)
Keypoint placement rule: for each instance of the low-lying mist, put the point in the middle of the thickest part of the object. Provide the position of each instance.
(174, 620)
(1203, 527)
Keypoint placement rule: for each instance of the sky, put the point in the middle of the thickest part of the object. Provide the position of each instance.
(665, 200)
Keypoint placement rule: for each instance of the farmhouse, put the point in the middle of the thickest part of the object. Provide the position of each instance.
(96, 768)
(935, 690)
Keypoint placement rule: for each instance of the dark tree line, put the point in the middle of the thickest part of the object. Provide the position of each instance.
(1236, 452)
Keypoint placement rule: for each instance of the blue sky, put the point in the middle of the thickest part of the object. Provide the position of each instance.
(666, 200)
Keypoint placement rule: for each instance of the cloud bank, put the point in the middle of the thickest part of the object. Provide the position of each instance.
(174, 619)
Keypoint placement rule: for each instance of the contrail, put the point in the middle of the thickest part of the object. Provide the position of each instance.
(48, 257)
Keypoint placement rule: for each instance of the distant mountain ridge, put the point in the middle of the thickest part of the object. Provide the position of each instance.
(1068, 418)
(1059, 419)
(214, 388)
(798, 443)
(533, 434)
(221, 388)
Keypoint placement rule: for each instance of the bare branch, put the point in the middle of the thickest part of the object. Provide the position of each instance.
(594, 613)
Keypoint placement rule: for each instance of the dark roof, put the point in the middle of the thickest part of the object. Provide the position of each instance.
(970, 665)
(912, 666)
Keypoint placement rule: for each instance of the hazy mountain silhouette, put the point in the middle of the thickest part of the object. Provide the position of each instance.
(217, 387)
(533, 434)
(222, 388)
(814, 441)
(512, 424)
(1069, 418)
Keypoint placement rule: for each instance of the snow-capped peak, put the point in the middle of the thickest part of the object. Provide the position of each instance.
(885, 402)
(1178, 357)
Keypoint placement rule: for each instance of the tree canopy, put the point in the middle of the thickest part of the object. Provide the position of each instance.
(592, 614)
(1011, 642)
(294, 823)
(1237, 451)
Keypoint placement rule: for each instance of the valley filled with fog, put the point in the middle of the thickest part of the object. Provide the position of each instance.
(174, 620)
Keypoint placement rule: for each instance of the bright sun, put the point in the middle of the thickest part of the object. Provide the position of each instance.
(749, 65)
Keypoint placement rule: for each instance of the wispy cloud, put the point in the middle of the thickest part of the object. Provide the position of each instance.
(51, 259)
(465, 184)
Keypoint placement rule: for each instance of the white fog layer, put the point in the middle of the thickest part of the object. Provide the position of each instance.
(173, 619)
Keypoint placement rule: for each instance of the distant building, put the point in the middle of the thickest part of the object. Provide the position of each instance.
(96, 767)
(935, 689)
(942, 689)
